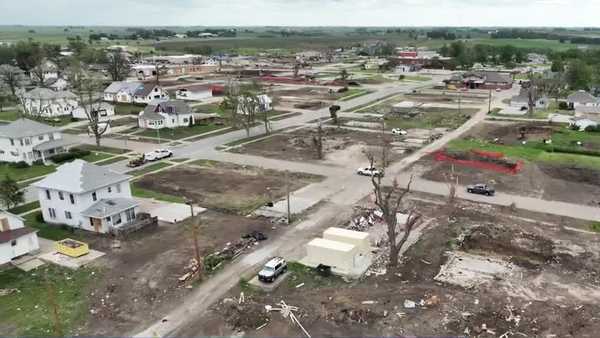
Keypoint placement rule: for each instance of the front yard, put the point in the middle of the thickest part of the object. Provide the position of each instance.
(20, 174)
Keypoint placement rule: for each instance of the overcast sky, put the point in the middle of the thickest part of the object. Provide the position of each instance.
(302, 12)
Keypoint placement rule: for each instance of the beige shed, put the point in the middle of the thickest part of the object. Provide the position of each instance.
(358, 238)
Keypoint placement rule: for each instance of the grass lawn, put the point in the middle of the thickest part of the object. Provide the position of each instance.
(95, 157)
(20, 174)
(52, 232)
(209, 108)
(595, 226)
(529, 153)
(103, 149)
(143, 193)
(25, 207)
(416, 78)
(10, 115)
(128, 109)
(112, 160)
(28, 310)
(353, 93)
(182, 132)
(148, 169)
(433, 118)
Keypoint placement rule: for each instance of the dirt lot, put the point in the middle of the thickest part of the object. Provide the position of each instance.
(554, 294)
(340, 146)
(548, 180)
(139, 281)
(226, 187)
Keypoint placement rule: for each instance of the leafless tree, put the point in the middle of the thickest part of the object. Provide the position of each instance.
(248, 106)
(318, 142)
(230, 102)
(195, 231)
(38, 74)
(118, 66)
(12, 77)
(296, 68)
(390, 202)
(88, 92)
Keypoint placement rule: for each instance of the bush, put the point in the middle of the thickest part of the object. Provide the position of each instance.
(21, 165)
(562, 105)
(401, 77)
(39, 217)
(593, 129)
(38, 162)
(72, 154)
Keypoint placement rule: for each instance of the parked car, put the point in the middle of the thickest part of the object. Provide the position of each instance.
(136, 162)
(398, 131)
(369, 171)
(158, 154)
(274, 268)
(481, 189)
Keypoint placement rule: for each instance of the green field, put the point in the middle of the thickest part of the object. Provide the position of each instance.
(431, 118)
(25, 207)
(143, 193)
(529, 152)
(27, 312)
(9, 115)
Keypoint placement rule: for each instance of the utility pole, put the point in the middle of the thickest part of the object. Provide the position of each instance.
(287, 192)
(490, 102)
(459, 101)
(195, 226)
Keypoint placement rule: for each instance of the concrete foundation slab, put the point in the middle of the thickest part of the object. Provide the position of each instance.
(168, 212)
(29, 265)
(468, 270)
(71, 262)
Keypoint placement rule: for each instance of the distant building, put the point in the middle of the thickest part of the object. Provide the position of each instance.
(86, 196)
(15, 238)
(28, 141)
(49, 103)
(521, 101)
(166, 114)
(195, 92)
(149, 92)
(481, 80)
(582, 98)
(264, 104)
(104, 110)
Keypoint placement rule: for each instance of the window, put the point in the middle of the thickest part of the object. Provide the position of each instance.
(12, 142)
(109, 190)
(130, 215)
(52, 212)
(27, 141)
(61, 196)
(21, 141)
(68, 215)
(41, 137)
(118, 188)
(72, 198)
(48, 194)
(51, 137)
(94, 197)
(117, 219)
(13, 242)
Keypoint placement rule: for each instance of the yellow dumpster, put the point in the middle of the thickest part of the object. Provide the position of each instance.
(72, 248)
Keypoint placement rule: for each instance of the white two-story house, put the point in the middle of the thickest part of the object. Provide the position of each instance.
(49, 103)
(86, 196)
(166, 114)
(149, 92)
(28, 141)
(15, 238)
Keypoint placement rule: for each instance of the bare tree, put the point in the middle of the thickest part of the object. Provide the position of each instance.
(38, 74)
(230, 102)
(318, 142)
(248, 106)
(118, 66)
(390, 202)
(12, 77)
(88, 93)
(195, 230)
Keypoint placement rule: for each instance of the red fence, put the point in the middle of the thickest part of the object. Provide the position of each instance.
(510, 169)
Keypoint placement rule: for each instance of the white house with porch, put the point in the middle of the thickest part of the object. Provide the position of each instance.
(16, 239)
(28, 141)
(49, 103)
(86, 196)
(121, 91)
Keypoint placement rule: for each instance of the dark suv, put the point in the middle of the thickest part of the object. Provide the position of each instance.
(481, 189)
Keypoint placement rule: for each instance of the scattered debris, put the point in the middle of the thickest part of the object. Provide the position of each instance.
(6, 292)
(299, 285)
(409, 304)
(288, 312)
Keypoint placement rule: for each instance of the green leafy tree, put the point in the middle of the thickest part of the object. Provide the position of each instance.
(578, 75)
(10, 195)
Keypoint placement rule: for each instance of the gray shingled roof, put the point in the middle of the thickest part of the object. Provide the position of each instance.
(80, 176)
(145, 89)
(168, 107)
(48, 94)
(117, 86)
(108, 207)
(583, 97)
(25, 128)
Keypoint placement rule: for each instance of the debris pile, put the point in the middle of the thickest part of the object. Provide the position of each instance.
(190, 270)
